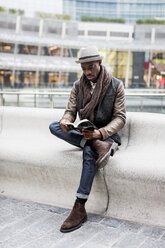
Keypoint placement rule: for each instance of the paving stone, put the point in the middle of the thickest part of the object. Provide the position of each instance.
(6, 220)
(95, 218)
(5, 212)
(37, 206)
(105, 238)
(130, 240)
(153, 244)
(15, 214)
(90, 228)
(111, 222)
(14, 208)
(9, 203)
(34, 225)
(130, 226)
(2, 198)
(163, 237)
(17, 226)
(31, 233)
(58, 210)
(45, 241)
(79, 237)
(152, 231)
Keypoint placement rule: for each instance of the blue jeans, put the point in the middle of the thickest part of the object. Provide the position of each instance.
(89, 157)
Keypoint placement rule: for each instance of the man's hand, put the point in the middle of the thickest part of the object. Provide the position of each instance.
(63, 125)
(90, 135)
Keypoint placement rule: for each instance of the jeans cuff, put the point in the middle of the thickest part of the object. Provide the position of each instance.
(82, 196)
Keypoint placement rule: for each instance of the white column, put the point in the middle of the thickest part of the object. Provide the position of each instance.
(17, 30)
(128, 60)
(61, 55)
(153, 36)
(41, 28)
(18, 21)
(127, 69)
(130, 36)
(63, 30)
(108, 35)
(86, 32)
(62, 48)
(39, 50)
(149, 70)
(150, 58)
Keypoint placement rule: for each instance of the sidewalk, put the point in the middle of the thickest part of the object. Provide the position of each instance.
(33, 225)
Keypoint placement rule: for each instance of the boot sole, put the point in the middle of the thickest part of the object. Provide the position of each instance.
(73, 228)
(111, 152)
(113, 148)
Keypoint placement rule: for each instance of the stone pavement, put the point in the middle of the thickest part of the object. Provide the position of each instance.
(34, 225)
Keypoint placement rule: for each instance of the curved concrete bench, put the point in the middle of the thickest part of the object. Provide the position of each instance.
(35, 165)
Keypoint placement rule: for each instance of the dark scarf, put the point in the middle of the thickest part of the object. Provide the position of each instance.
(90, 102)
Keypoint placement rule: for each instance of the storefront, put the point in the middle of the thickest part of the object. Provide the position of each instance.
(6, 47)
(5, 78)
(28, 79)
(134, 65)
(117, 60)
(157, 71)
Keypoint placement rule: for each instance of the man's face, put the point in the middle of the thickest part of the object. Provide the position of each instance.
(91, 70)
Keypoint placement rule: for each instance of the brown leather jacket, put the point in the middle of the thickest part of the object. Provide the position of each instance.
(119, 112)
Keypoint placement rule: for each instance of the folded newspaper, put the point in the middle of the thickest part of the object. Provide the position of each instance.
(83, 124)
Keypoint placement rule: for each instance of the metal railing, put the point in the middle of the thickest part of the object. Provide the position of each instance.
(153, 100)
(34, 94)
(64, 95)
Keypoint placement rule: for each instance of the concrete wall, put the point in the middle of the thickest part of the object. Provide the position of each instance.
(35, 165)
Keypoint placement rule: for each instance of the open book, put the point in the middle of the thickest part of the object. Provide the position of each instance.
(83, 124)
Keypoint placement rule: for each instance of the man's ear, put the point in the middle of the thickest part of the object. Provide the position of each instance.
(100, 61)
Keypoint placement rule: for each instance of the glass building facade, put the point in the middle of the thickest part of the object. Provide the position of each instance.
(116, 60)
(42, 53)
(130, 10)
(26, 78)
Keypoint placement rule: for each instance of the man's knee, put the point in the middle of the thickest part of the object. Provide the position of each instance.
(54, 127)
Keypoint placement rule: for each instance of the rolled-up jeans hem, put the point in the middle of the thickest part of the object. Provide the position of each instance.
(82, 196)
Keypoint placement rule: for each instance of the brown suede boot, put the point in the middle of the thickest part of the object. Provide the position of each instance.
(104, 150)
(77, 216)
